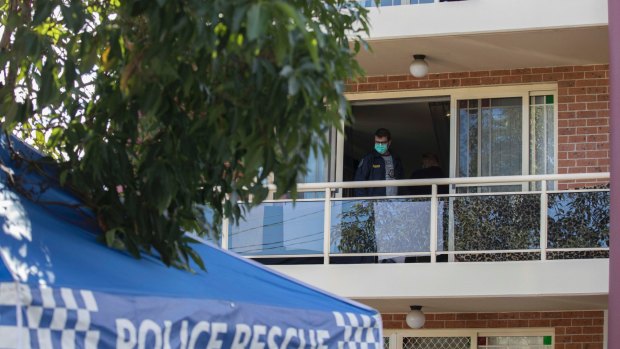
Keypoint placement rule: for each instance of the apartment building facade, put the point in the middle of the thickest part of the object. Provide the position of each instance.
(516, 107)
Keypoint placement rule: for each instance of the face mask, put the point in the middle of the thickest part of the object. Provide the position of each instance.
(381, 148)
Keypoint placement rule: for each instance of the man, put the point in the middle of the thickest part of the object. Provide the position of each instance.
(378, 165)
(430, 169)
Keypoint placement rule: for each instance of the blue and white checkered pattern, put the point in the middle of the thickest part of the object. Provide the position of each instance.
(360, 331)
(51, 318)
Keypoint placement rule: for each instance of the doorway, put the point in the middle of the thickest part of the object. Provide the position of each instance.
(417, 125)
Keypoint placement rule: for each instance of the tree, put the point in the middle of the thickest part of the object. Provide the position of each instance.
(153, 108)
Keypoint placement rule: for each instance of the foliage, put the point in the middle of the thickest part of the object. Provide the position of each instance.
(390, 226)
(578, 220)
(153, 108)
(496, 222)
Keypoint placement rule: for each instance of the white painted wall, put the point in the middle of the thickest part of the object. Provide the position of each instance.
(505, 279)
(482, 16)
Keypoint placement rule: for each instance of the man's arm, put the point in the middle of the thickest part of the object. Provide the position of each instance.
(361, 174)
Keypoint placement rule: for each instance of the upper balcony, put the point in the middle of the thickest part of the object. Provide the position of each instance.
(473, 35)
(491, 243)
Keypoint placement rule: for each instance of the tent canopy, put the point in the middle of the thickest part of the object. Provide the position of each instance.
(61, 287)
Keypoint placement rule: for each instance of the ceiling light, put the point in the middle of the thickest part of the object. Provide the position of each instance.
(419, 67)
(415, 318)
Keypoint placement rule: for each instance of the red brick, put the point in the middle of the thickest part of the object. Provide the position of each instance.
(429, 84)
(477, 74)
(498, 323)
(584, 68)
(467, 316)
(399, 317)
(477, 324)
(563, 69)
(490, 80)
(578, 122)
(596, 90)
(540, 323)
(499, 72)
(598, 105)
(377, 78)
(488, 316)
(601, 67)
(382, 86)
(585, 98)
(566, 115)
(602, 97)
(445, 316)
(597, 138)
(593, 330)
(578, 90)
(521, 71)
(434, 324)
(578, 75)
(392, 324)
(459, 75)
(599, 74)
(406, 85)
(598, 322)
(532, 78)
(577, 106)
(439, 76)
(511, 79)
(581, 338)
(566, 131)
(450, 83)
(586, 114)
(581, 322)
(571, 99)
(562, 339)
(586, 83)
(542, 70)
(560, 322)
(398, 77)
(455, 324)
(386, 317)
(592, 346)
(560, 330)
(586, 162)
(367, 87)
(602, 82)
(470, 81)
(566, 83)
(594, 154)
(574, 330)
(517, 323)
(350, 88)
(597, 122)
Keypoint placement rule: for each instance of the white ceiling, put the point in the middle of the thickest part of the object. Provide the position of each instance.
(503, 50)
(490, 304)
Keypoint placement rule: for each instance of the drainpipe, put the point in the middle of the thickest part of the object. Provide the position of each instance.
(614, 138)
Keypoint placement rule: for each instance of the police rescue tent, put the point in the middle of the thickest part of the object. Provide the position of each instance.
(61, 288)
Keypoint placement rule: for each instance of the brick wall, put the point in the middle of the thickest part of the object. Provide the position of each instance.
(583, 106)
(573, 329)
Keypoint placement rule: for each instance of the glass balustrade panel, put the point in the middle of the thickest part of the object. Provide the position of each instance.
(380, 226)
(281, 228)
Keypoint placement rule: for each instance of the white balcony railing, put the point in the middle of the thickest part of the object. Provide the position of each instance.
(483, 218)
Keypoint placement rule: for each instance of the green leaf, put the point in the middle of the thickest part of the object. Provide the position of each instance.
(256, 21)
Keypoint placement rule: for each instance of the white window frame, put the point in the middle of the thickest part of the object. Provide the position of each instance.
(525, 91)
(396, 335)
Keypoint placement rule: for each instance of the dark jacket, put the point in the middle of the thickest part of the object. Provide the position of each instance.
(372, 168)
(429, 172)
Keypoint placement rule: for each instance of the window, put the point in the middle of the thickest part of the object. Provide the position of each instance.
(504, 136)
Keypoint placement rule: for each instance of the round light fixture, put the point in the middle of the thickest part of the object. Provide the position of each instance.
(419, 67)
(415, 318)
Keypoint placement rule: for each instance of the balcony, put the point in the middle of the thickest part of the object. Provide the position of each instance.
(486, 35)
(519, 234)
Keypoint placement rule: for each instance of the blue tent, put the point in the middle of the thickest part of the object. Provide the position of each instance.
(61, 288)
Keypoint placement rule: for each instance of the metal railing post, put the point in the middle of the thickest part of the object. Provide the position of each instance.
(543, 220)
(433, 225)
(327, 225)
(225, 225)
